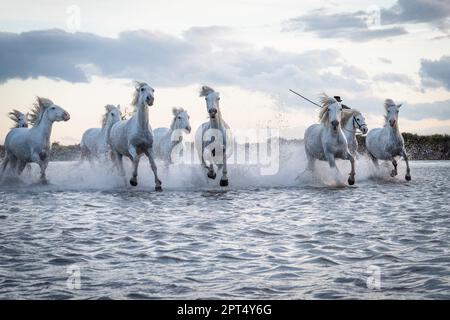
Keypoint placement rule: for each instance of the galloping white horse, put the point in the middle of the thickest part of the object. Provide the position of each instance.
(387, 143)
(326, 141)
(132, 137)
(353, 120)
(23, 145)
(166, 139)
(19, 118)
(94, 142)
(213, 139)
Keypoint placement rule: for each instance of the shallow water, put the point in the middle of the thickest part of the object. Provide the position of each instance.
(263, 237)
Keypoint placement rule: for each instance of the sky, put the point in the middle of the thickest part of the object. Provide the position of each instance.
(85, 54)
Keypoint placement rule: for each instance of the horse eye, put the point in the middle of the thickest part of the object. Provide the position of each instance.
(179, 118)
(142, 89)
(53, 108)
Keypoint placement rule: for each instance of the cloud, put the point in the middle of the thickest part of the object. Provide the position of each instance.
(394, 78)
(375, 23)
(435, 110)
(353, 26)
(200, 55)
(435, 73)
(416, 11)
(385, 60)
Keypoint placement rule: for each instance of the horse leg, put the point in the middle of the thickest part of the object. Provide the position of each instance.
(135, 159)
(374, 160)
(43, 166)
(119, 164)
(351, 178)
(408, 174)
(149, 154)
(211, 174)
(21, 167)
(394, 171)
(4, 165)
(224, 179)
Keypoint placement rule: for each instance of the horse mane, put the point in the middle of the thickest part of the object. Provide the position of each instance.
(15, 115)
(38, 110)
(137, 85)
(325, 101)
(108, 109)
(347, 114)
(205, 90)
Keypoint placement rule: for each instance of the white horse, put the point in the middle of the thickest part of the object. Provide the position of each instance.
(213, 139)
(94, 142)
(23, 145)
(132, 137)
(166, 139)
(19, 118)
(326, 141)
(387, 143)
(351, 121)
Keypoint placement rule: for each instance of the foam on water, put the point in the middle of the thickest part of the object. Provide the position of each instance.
(292, 163)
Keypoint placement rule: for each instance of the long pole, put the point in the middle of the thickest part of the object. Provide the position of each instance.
(317, 105)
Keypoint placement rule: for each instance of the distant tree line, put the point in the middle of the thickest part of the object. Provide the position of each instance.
(433, 147)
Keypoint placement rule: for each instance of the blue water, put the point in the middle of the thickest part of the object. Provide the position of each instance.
(382, 238)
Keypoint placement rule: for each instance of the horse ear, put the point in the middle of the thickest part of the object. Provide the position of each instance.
(399, 105)
(174, 111)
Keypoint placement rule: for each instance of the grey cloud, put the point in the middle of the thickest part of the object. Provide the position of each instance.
(394, 78)
(385, 60)
(352, 26)
(200, 55)
(416, 11)
(356, 26)
(435, 73)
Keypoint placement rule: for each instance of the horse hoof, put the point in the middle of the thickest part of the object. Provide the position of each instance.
(408, 177)
(351, 181)
(158, 188)
(212, 175)
(133, 183)
(393, 173)
(44, 182)
(224, 183)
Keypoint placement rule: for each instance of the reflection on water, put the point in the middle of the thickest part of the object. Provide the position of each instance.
(264, 237)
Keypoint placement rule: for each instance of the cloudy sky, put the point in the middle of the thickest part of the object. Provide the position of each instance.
(85, 54)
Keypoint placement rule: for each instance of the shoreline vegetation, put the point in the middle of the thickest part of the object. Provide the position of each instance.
(432, 147)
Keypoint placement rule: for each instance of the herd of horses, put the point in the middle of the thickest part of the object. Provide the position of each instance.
(334, 137)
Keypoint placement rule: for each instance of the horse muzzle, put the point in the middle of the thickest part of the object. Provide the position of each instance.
(392, 123)
(150, 101)
(188, 129)
(66, 116)
(335, 124)
(364, 129)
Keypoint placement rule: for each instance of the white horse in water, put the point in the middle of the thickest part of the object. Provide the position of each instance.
(167, 139)
(213, 139)
(19, 118)
(353, 120)
(132, 137)
(23, 145)
(387, 143)
(326, 141)
(94, 142)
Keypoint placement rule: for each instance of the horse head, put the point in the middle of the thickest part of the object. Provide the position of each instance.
(143, 94)
(330, 113)
(181, 120)
(359, 122)
(212, 101)
(112, 115)
(392, 110)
